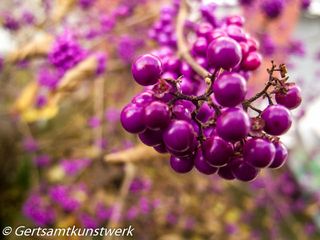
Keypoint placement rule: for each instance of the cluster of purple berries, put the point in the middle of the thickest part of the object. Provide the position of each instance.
(66, 52)
(163, 31)
(211, 131)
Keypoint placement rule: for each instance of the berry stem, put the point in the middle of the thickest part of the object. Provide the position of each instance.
(264, 92)
(183, 49)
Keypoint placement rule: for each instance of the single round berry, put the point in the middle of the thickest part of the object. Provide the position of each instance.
(179, 136)
(272, 8)
(224, 52)
(233, 124)
(277, 119)
(147, 70)
(186, 86)
(235, 20)
(132, 118)
(252, 61)
(215, 34)
(204, 29)
(161, 148)
(259, 152)
(244, 49)
(281, 155)
(243, 171)
(157, 115)
(151, 137)
(200, 46)
(181, 112)
(181, 165)
(217, 151)
(253, 44)
(143, 98)
(205, 113)
(202, 165)
(290, 99)
(226, 172)
(173, 64)
(236, 32)
(230, 89)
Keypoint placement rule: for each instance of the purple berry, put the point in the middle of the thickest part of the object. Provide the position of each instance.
(161, 148)
(147, 70)
(217, 151)
(186, 86)
(132, 118)
(243, 171)
(202, 165)
(180, 112)
(259, 152)
(233, 124)
(204, 29)
(272, 8)
(200, 46)
(179, 136)
(252, 61)
(277, 119)
(205, 113)
(235, 20)
(157, 115)
(151, 137)
(143, 98)
(226, 172)
(291, 99)
(181, 165)
(230, 89)
(280, 157)
(224, 52)
(237, 33)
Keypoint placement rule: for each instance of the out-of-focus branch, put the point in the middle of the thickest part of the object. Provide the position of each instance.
(135, 154)
(39, 47)
(183, 49)
(98, 109)
(26, 98)
(62, 7)
(85, 69)
(118, 208)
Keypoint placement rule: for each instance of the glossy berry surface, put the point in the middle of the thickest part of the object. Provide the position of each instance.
(217, 151)
(181, 165)
(157, 115)
(233, 124)
(259, 152)
(224, 52)
(230, 89)
(147, 69)
(291, 98)
(281, 155)
(132, 118)
(243, 171)
(272, 8)
(226, 172)
(202, 165)
(252, 61)
(277, 119)
(179, 136)
(151, 137)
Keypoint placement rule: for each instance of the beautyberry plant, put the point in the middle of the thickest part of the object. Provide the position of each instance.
(194, 104)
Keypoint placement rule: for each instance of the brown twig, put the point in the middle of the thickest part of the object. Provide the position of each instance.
(183, 49)
(37, 48)
(117, 210)
(98, 109)
(138, 153)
